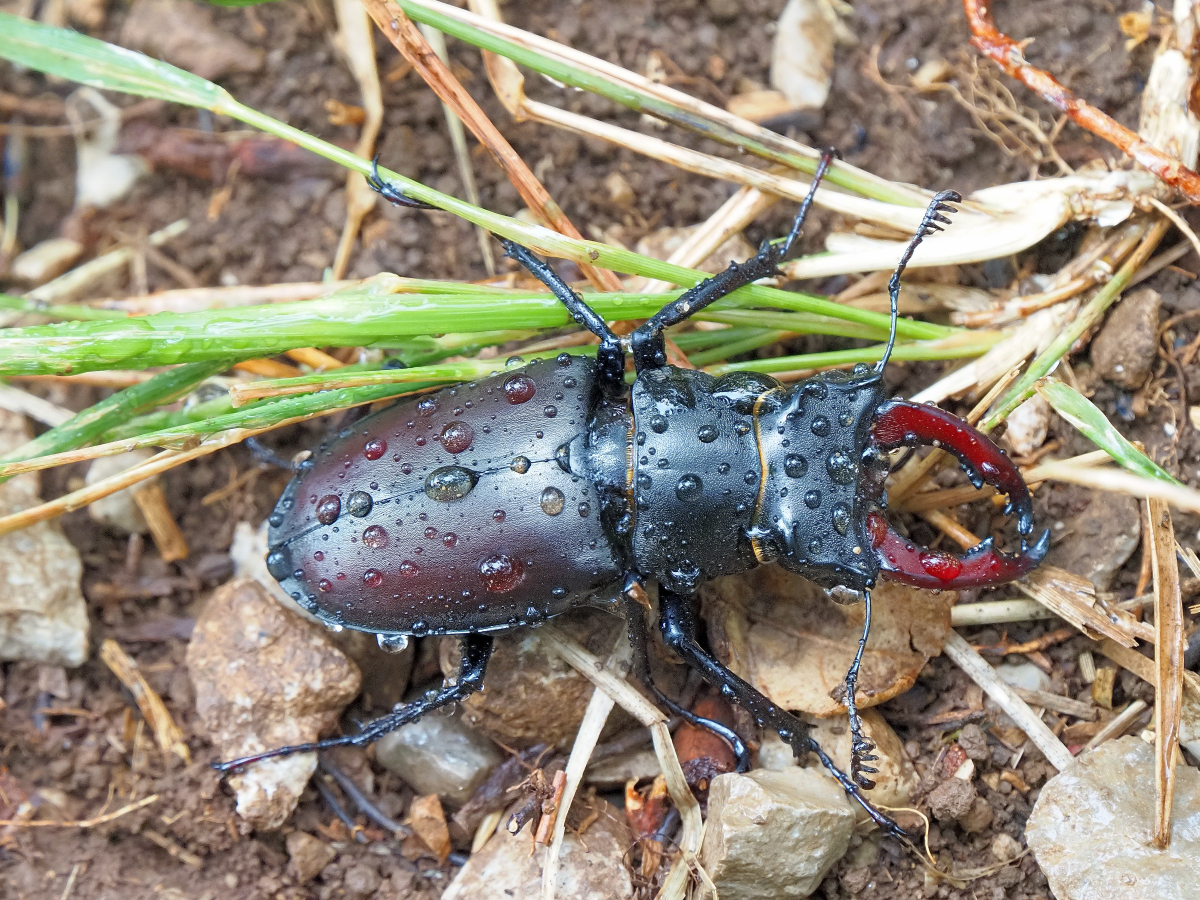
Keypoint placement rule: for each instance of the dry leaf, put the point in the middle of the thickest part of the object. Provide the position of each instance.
(428, 820)
(785, 636)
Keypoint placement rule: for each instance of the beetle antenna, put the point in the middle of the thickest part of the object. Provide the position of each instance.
(929, 225)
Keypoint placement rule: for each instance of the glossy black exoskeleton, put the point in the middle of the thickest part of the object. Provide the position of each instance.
(506, 501)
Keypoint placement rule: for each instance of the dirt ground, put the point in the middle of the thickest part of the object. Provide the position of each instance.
(283, 230)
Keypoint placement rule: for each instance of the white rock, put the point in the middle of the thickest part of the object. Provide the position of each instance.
(1092, 826)
(591, 867)
(1028, 425)
(439, 754)
(118, 511)
(802, 55)
(774, 834)
(43, 616)
(1023, 675)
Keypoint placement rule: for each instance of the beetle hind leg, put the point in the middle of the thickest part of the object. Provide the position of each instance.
(678, 628)
(476, 651)
(860, 746)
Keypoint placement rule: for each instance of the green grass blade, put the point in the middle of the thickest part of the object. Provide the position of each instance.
(1094, 425)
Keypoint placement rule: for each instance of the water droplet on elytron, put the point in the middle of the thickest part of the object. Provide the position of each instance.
(689, 487)
(519, 389)
(513, 362)
(319, 556)
(812, 499)
(374, 449)
(820, 426)
(275, 519)
(563, 359)
(742, 429)
(449, 483)
(392, 643)
(816, 389)
(941, 566)
(406, 469)
(431, 532)
(375, 537)
(841, 518)
(520, 465)
(569, 382)
(550, 411)
(501, 573)
(329, 508)
(845, 419)
(707, 433)
(814, 546)
(498, 516)
(585, 510)
(552, 501)
(324, 585)
(644, 481)
(449, 538)
(359, 503)
(372, 578)
(658, 424)
(427, 406)
(723, 469)
(750, 477)
(841, 466)
(409, 570)
(795, 465)
(279, 563)
(457, 437)
(420, 440)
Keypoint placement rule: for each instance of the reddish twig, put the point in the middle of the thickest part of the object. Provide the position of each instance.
(1007, 53)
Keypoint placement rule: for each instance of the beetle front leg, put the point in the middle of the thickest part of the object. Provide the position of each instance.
(678, 627)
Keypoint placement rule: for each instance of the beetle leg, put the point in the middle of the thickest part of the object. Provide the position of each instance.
(646, 341)
(860, 747)
(639, 640)
(610, 357)
(899, 423)
(391, 192)
(678, 627)
(476, 651)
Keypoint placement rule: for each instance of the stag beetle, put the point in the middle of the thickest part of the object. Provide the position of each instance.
(509, 500)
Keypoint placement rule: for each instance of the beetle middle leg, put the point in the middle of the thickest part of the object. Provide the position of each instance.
(678, 627)
(476, 651)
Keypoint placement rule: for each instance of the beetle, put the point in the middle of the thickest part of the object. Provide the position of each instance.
(510, 500)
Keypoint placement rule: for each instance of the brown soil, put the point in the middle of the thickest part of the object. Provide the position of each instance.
(286, 230)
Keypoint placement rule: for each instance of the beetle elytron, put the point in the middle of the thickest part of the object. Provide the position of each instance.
(509, 500)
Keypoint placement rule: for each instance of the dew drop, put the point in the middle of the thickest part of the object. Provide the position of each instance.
(812, 499)
(359, 503)
(707, 433)
(552, 501)
(550, 411)
(329, 508)
(941, 566)
(841, 518)
(375, 537)
(514, 362)
(498, 516)
(563, 359)
(392, 643)
(409, 569)
(519, 389)
(406, 469)
(658, 424)
(449, 538)
(449, 483)
(569, 382)
(324, 585)
(841, 466)
(279, 563)
(520, 465)
(689, 487)
(427, 406)
(820, 426)
(457, 437)
(275, 519)
(742, 429)
(374, 449)
(372, 578)
(644, 481)
(723, 468)
(795, 465)
(501, 573)
(585, 510)
(431, 532)
(319, 556)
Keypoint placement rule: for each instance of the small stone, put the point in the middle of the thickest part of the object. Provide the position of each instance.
(1126, 346)
(1005, 847)
(531, 696)
(439, 754)
(774, 834)
(118, 511)
(1092, 828)
(43, 615)
(591, 866)
(951, 799)
(361, 880)
(978, 817)
(613, 773)
(1023, 675)
(265, 678)
(185, 35)
(1028, 425)
(619, 191)
(974, 743)
(307, 855)
(1099, 540)
(802, 55)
